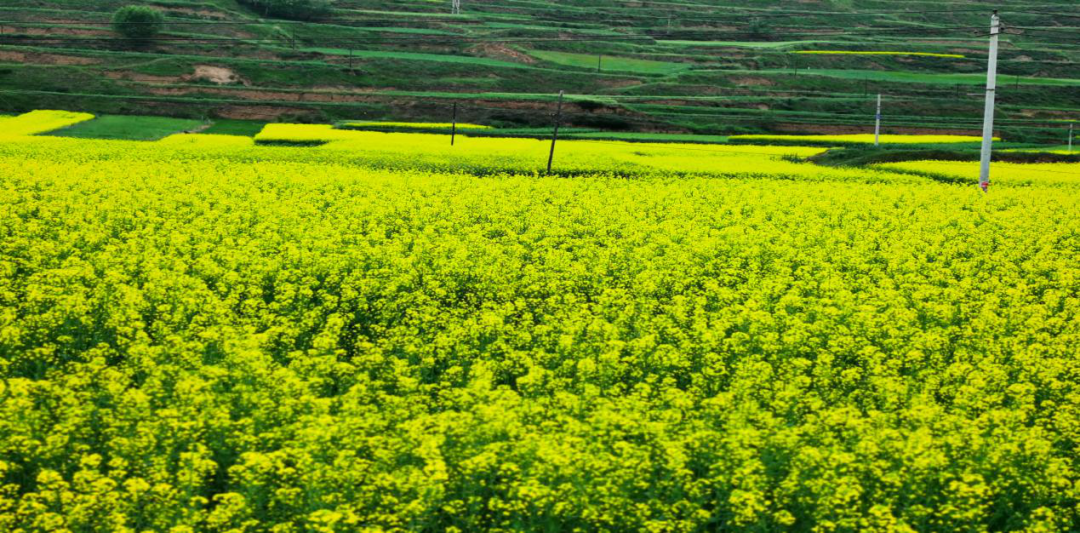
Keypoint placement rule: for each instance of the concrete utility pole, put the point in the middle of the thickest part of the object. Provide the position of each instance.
(555, 134)
(877, 123)
(455, 7)
(988, 114)
(1070, 136)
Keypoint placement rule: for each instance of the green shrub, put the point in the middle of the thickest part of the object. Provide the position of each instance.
(759, 30)
(290, 9)
(138, 23)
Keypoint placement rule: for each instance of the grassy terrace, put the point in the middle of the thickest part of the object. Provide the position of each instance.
(735, 68)
(134, 128)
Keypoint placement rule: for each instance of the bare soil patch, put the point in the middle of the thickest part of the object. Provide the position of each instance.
(246, 112)
(218, 75)
(264, 96)
(753, 81)
(619, 83)
(202, 13)
(48, 32)
(142, 78)
(45, 59)
(203, 73)
(501, 51)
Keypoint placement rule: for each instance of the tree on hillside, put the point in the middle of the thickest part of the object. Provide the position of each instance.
(759, 30)
(138, 23)
(290, 9)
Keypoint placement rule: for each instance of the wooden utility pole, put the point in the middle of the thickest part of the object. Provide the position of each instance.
(453, 126)
(555, 133)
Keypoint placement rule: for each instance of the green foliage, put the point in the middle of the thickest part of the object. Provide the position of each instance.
(138, 23)
(224, 126)
(129, 127)
(610, 63)
(760, 29)
(291, 9)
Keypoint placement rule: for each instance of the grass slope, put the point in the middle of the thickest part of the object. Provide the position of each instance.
(246, 128)
(610, 64)
(701, 67)
(133, 128)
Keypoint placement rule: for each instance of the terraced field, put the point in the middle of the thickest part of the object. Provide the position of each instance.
(674, 67)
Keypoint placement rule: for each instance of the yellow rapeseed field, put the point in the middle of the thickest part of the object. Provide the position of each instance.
(416, 125)
(879, 53)
(483, 155)
(41, 121)
(203, 140)
(1046, 174)
(861, 138)
(385, 333)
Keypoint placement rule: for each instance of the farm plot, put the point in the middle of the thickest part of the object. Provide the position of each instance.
(382, 333)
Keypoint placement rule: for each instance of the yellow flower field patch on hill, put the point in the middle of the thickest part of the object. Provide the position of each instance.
(878, 53)
(417, 125)
(1000, 173)
(41, 121)
(205, 140)
(862, 138)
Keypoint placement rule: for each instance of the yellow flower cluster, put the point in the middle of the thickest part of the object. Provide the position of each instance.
(40, 121)
(389, 334)
(1056, 150)
(204, 140)
(417, 125)
(878, 53)
(861, 138)
(1016, 174)
(301, 133)
(484, 155)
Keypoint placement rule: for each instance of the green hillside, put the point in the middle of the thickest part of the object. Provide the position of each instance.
(680, 67)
